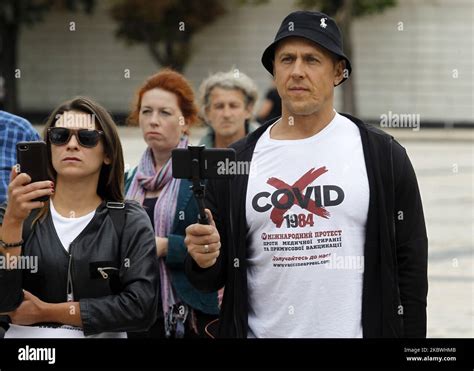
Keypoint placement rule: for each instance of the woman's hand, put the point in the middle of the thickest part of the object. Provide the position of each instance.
(161, 246)
(30, 311)
(21, 193)
(33, 310)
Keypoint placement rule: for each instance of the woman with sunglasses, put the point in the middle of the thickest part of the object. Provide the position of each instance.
(164, 110)
(97, 265)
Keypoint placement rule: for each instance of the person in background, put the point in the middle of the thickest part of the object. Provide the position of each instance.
(227, 100)
(96, 266)
(271, 106)
(13, 129)
(164, 110)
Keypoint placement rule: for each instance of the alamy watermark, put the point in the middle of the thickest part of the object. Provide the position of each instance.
(24, 262)
(74, 120)
(400, 120)
(346, 262)
(230, 167)
(28, 353)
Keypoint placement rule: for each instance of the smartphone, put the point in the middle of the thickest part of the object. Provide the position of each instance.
(215, 163)
(33, 160)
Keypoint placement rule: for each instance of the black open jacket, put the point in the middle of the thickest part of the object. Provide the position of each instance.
(395, 283)
(113, 277)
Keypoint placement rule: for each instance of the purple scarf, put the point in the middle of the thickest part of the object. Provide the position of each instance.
(147, 179)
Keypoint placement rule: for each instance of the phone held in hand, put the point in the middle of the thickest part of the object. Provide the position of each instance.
(33, 160)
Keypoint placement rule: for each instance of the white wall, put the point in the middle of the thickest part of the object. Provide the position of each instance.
(57, 64)
(409, 71)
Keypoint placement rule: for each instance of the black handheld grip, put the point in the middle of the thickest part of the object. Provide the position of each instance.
(203, 219)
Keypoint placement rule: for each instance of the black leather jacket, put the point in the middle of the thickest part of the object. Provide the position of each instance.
(116, 286)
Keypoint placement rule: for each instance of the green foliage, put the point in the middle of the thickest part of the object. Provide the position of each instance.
(23, 11)
(253, 2)
(360, 7)
(32, 11)
(14, 15)
(331, 7)
(166, 26)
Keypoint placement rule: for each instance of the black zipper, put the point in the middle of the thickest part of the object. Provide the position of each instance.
(102, 271)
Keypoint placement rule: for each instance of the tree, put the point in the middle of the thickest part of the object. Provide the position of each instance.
(14, 14)
(165, 26)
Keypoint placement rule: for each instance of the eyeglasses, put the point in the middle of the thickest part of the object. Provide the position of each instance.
(86, 138)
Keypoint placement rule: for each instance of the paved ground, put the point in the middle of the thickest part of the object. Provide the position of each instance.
(444, 163)
(445, 172)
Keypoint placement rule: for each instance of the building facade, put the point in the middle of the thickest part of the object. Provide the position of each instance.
(415, 58)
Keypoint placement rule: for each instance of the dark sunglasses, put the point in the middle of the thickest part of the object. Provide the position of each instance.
(86, 138)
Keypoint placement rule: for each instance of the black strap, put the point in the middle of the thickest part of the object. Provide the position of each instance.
(117, 211)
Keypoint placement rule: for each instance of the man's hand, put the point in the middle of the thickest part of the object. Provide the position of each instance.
(203, 242)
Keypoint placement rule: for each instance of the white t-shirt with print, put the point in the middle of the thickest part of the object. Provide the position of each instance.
(307, 204)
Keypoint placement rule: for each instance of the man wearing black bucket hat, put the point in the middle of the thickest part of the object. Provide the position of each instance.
(325, 237)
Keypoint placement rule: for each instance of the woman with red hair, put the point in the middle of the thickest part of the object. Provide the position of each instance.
(164, 110)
